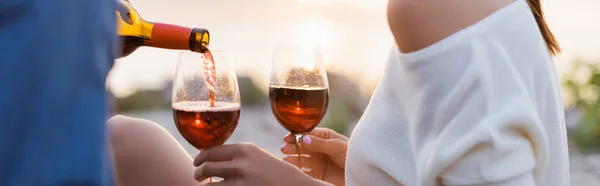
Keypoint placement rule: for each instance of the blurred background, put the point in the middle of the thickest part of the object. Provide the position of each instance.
(354, 41)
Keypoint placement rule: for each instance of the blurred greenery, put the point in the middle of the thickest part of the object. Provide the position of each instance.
(583, 86)
(161, 99)
(346, 104)
(140, 101)
(250, 93)
(337, 115)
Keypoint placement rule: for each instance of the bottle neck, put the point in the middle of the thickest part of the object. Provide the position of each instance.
(179, 38)
(199, 40)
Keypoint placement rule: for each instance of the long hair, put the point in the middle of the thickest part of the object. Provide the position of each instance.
(551, 42)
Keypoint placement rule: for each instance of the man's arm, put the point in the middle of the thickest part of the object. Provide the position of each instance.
(54, 58)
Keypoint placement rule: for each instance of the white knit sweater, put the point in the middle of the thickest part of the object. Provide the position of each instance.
(481, 107)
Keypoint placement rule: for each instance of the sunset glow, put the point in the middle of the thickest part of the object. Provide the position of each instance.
(314, 31)
(333, 25)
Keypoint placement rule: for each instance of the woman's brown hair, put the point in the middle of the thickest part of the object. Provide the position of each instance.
(551, 43)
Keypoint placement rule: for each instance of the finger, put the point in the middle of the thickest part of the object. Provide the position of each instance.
(216, 169)
(289, 138)
(331, 147)
(291, 149)
(217, 153)
(292, 160)
(336, 149)
(327, 133)
(319, 132)
(312, 144)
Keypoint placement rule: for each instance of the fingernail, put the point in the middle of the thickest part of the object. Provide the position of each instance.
(306, 140)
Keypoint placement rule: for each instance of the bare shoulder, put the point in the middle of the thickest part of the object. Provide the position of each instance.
(417, 24)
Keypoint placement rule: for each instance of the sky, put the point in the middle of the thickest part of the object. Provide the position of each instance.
(352, 34)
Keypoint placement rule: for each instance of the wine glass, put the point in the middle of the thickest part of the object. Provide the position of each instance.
(206, 98)
(298, 91)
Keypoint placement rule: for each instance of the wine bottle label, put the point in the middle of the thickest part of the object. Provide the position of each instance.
(170, 36)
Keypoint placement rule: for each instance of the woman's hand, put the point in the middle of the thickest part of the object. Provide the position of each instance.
(246, 164)
(328, 151)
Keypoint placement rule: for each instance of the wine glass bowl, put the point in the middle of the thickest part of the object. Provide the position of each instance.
(205, 98)
(298, 90)
(204, 126)
(299, 110)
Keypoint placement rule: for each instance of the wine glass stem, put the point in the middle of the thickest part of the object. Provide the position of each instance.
(298, 149)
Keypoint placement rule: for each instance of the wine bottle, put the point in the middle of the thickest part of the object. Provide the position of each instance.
(135, 32)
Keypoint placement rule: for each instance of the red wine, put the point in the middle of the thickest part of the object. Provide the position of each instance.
(210, 75)
(204, 126)
(299, 110)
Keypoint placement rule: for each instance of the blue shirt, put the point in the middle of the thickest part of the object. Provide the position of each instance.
(54, 58)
